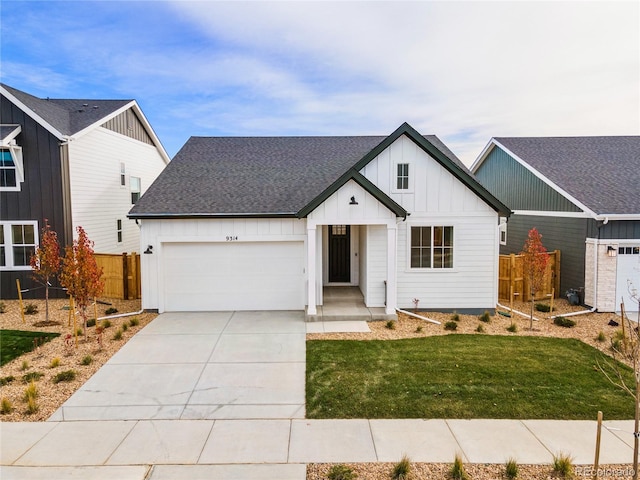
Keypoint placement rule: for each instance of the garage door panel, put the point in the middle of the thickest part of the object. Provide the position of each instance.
(233, 276)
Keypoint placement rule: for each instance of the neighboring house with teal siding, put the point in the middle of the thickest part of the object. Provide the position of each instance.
(583, 195)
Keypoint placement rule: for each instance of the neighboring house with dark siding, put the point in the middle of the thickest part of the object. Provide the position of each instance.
(74, 163)
(583, 195)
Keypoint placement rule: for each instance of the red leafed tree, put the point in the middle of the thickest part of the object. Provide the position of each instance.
(535, 259)
(81, 275)
(45, 262)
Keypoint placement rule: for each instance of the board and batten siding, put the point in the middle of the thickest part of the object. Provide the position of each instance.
(437, 198)
(376, 265)
(159, 232)
(517, 187)
(564, 234)
(98, 198)
(40, 195)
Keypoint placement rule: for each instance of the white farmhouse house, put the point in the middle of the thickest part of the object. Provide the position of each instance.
(264, 223)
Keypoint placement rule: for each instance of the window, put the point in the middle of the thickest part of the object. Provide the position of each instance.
(629, 250)
(402, 182)
(134, 184)
(432, 247)
(338, 230)
(123, 177)
(503, 231)
(119, 230)
(17, 244)
(7, 169)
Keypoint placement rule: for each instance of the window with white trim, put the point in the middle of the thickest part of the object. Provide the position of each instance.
(431, 247)
(402, 177)
(503, 231)
(119, 230)
(11, 170)
(18, 242)
(134, 185)
(123, 176)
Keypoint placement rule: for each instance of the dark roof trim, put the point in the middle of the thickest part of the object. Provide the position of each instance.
(428, 147)
(150, 216)
(353, 174)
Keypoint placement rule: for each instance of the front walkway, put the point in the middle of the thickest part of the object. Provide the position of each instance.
(208, 365)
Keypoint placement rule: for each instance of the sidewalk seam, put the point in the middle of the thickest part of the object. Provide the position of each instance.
(461, 450)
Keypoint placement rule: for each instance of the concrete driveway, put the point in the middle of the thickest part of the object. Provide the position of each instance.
(209, 365)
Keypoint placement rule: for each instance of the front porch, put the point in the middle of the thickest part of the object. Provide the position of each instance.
(344, 304)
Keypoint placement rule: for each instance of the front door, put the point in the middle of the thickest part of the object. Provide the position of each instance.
(339, 253)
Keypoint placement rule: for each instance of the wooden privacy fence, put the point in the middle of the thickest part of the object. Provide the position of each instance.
(510, 274)
(121, 275)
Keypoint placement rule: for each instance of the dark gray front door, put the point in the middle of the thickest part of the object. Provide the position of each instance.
(339, 253)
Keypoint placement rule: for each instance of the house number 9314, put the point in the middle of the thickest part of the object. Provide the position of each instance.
(232, 238)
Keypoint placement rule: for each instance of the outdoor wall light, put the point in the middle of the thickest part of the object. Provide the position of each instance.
(353, 201)
(149, 250)
(611, 251)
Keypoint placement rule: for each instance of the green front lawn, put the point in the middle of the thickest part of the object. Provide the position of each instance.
(460, 376)
(14, 343)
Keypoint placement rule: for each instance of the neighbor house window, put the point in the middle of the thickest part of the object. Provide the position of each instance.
(134, 185)
(17, 244)
(123, 176)
(432, 247)
(11, 168)
(402, 179)
(119, 230)
(503, 231)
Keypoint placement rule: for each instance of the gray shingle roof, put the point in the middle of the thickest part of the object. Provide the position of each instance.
(254, 175)
(68, 116)
(601, 172)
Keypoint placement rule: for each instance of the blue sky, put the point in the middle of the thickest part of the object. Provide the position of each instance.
(465, 71)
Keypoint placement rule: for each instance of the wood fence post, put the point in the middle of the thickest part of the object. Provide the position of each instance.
(512, 273)
(125, 277)
(20, 298)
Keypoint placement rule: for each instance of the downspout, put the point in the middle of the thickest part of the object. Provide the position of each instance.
(595, 287)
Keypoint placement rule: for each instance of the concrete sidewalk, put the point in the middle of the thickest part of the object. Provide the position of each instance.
(279, 449)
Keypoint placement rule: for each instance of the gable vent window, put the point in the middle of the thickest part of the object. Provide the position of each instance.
(11, 173)
(134, 184)
(119, 230)
(403, 176)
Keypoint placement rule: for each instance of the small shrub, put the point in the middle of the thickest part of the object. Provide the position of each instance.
(6, 380)
(55, 362)
(401, 469)
(30, 309)
(563, 465)
(5, 406)
(3, 307)
(134, 322)
(419, 329)
(485, 317)
(480, 328)
(25, 365)
(86, 360)
(66, 376)
(341, 472)
(30, 392)
(117, 335)
(106, 323)
(91, 322)
(457, 469)
(111, 311)
(391, 325)
(125, 327)
(618, 335)
(32, 377)
(601, 337)
(32, 405)
(79, 332)
(543, 307)
(511, 468)
(451, 325)
(616, 345)
(455, 317)
(513, 328)
(564, 322)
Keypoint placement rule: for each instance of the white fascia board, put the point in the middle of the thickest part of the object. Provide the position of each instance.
(605, 217)
(483, 155)
(6, 141)
(562, 192)
(548, 213)
(134, 105)
(46, 125)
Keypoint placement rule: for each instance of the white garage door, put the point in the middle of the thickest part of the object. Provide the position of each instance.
(628, 271)
(233, 276)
